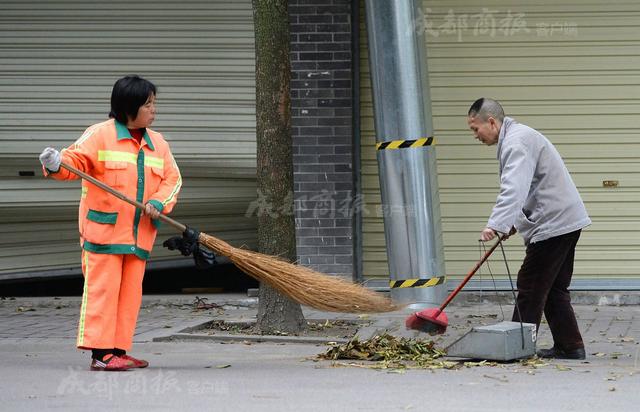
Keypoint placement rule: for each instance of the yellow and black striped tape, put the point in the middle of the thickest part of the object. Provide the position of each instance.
(416, 283)
(403, 144)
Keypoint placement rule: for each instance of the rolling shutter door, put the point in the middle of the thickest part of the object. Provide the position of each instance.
(58, 63)
(568, 69)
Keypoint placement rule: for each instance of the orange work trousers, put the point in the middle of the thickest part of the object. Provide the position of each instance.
(110, 301)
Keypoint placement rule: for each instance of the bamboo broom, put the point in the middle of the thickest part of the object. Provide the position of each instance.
(300, 283)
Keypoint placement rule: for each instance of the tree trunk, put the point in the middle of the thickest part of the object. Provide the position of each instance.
(276, 225)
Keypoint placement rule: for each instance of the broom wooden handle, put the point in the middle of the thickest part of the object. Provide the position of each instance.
(163, 218)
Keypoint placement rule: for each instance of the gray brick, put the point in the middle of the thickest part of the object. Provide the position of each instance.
(305, 159)
(343, 149)
(316, 149)
(333, 65)
(334, 46)
(342, 93)
(316, 187)
(334, 140)
(309, 93)
(305, 47)
(335, 231)
(343, 259)
(304, 65)
(315, 131)
(342, 36)
(334, 268)
(306, 250)
(304, 121)
(308, 231)
(303, 28)
(334, 250)
(341, 18)
(316, 241)
(305, 84)
(315, 260)
(343, 222)
(305, 140)
(334, 121)
(314, 18)
(335, 28)
(343, 167)
(335, 84)
(339, 177)
(343, 241)
(343, 131)
(344, 186)
(333, 159)
(316, 37)
(334, 9)
(302, 103)
(305, 177)
(342, 74)
(339, 111)
(315, 168)
(314, 223)
(316, 56)
(334, 103)
(299, 10)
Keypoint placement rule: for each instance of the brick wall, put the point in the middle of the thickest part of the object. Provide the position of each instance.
(321, 85)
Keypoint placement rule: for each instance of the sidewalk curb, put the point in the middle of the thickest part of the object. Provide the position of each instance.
(221, 338)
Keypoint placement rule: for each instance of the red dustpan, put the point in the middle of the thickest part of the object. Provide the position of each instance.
(433, 320)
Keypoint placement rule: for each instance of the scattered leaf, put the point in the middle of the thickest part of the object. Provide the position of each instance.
(563, 368)
(223, 366)
(612, 389)
(599, 354)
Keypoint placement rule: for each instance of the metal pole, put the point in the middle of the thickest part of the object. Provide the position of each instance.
(405, 152)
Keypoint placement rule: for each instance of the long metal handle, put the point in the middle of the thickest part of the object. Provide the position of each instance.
(163, 218)
(471, 273)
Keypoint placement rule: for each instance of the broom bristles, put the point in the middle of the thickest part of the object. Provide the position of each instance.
(302, 284)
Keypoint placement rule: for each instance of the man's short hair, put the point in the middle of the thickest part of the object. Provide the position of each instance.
(485, 108)
(128, 94)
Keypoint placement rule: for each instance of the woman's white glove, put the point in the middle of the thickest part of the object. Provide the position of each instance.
(50, 159)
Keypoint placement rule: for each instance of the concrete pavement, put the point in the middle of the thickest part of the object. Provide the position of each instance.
(42, 370)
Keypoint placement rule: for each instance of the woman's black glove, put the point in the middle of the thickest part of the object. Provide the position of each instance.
(187, 244)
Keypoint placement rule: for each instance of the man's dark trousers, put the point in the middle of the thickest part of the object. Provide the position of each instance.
(543, 283)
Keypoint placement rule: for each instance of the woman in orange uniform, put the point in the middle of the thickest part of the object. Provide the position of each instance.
(116, 238)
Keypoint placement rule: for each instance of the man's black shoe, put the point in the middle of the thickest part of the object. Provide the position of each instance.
(557, 353)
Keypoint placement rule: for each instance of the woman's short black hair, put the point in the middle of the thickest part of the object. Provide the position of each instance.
(128, 94)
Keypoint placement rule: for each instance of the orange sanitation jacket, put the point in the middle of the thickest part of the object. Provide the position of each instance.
(146, 172)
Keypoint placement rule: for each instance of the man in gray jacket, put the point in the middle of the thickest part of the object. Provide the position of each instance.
(539, 200)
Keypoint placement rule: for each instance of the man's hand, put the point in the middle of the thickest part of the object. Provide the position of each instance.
(487, 234)
(50, 159)
(151, 211)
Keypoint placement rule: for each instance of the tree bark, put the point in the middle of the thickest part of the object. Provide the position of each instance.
(276, 224)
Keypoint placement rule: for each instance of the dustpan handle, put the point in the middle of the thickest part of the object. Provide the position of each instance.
(471, 273)
(163, 218)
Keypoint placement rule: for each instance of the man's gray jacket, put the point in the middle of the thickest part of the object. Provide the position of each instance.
(537, 195)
